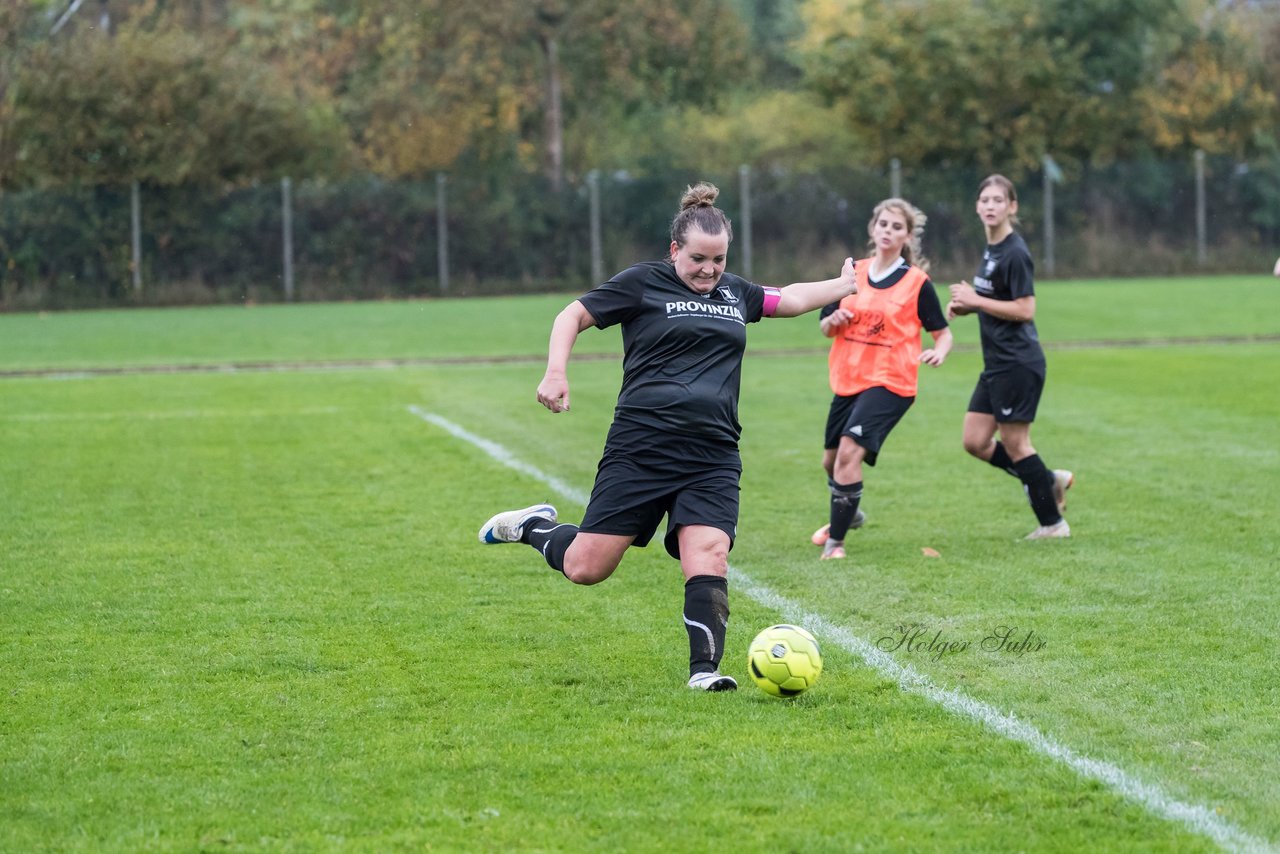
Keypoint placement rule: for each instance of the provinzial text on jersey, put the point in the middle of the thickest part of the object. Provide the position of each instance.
(690, 307)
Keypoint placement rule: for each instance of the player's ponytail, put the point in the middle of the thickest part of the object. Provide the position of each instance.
(698, 210)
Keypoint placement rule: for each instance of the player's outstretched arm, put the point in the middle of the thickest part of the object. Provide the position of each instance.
(553, 391)
(802, 297)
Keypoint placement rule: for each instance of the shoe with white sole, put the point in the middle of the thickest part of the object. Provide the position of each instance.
(1051, 532)
(819, 537)
(508, 527)
(712, 681)
(833, 550)
(1062, 481)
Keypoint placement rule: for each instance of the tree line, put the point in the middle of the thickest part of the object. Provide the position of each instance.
(224, 92)
(198, 107)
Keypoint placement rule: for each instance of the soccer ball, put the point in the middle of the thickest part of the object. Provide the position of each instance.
(784, 660)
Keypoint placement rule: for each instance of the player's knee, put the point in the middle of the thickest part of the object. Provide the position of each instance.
(711, 559)
(584, 573)
(976, 447)
(583, 569)
(850, 455)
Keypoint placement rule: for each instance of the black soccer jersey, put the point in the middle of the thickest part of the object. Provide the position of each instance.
(683, 350)
(1007, 274)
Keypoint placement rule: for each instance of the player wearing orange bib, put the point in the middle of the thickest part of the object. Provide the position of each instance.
(875, 358)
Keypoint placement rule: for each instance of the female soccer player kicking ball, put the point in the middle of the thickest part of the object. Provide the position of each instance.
(673, 445)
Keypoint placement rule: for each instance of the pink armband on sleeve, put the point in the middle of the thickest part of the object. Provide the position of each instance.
(772, 296)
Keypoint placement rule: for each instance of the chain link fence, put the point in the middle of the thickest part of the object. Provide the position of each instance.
(365, 238)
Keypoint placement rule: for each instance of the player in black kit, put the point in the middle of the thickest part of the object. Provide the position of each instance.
(1008, 390)
(673, 445)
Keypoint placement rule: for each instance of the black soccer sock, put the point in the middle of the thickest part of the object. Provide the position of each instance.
(844, 507)
(706, 616)
(1000, 459)
(552, 539)
(1039, 483)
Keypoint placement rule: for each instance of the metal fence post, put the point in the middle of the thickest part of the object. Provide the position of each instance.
(597, 248)
(895, 178)
(1049, 247)
(286, 209)
(744, 190)
(1202, 237)
(442, 234)
(135, 228)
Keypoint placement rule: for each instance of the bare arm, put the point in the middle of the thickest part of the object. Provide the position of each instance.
(802, 297)
(553, 391)
(965, 300)
(937, 354)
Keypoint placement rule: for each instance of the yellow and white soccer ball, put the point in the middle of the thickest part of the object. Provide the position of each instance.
(784, 660)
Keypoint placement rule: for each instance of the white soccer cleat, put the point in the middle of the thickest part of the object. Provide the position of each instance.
(508, 527)
(1062, 481)
(712, 681)
(1051, 532)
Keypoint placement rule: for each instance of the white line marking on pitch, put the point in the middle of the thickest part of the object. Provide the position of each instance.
(1200, 819)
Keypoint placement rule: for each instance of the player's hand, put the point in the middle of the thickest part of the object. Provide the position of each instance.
(932, 358)
(964, 297)
(849, 276)
(954, 310)
(834, 321)
(553, 392)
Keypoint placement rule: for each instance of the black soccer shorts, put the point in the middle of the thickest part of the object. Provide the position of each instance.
(630, 498)
(866, 417)
(1011, 394)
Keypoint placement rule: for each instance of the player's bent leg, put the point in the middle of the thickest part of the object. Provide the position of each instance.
(979, 434)
(593, 557)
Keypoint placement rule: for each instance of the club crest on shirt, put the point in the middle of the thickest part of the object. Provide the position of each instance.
(726, 294)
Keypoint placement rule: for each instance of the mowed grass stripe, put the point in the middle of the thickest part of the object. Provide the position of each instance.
(1201, 307)
(233, 366)
(1199, 819)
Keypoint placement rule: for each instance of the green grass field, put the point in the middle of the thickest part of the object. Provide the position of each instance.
(246, 610)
